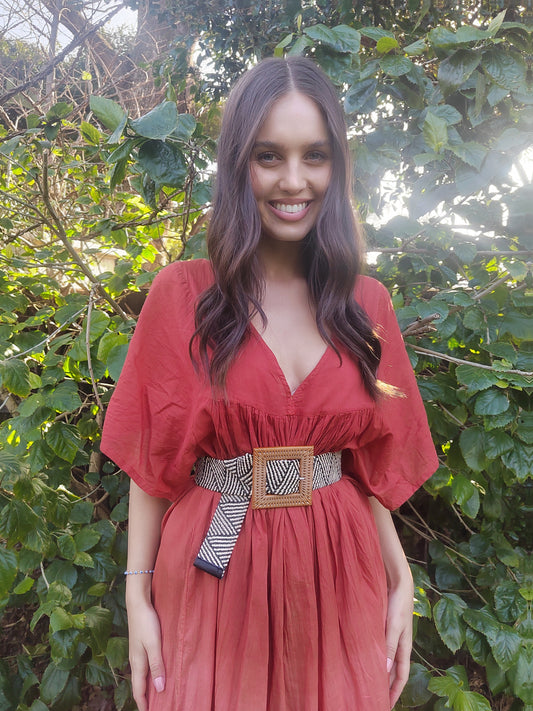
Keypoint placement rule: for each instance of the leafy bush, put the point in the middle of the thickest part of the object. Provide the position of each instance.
(440, 125)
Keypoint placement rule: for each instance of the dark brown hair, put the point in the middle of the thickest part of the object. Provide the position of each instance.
(331, 251)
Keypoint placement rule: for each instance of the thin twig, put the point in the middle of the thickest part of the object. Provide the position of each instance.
(88, 350)
(49, 338)
(460, 361)
(495, 284)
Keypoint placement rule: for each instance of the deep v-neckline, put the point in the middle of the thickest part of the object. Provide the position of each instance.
(274, 358)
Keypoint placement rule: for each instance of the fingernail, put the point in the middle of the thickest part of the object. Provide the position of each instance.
(389, 664)
(159, 683)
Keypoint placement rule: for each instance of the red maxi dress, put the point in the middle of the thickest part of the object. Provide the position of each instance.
(298, 621)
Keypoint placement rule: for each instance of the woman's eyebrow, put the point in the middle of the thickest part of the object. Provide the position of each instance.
(272, 145)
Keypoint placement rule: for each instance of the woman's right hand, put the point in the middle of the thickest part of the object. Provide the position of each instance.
(145, 650)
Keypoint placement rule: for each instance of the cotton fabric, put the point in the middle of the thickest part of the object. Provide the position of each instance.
(298, 621)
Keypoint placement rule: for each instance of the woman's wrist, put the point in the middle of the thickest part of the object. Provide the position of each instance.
(399, 574)
(138, 589)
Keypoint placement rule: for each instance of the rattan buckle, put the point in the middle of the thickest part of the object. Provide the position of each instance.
(260, 498)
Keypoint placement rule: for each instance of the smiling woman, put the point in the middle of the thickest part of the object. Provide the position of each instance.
(278, 375)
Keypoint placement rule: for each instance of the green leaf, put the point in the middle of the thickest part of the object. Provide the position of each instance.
(158, 123)
(64, 397)
(466, 495)
(435, 131)
(24, 586)
(108, 112)
(415, 48)
(505, 647)
(416, 691)
(508, 602)
(17, 520)
(471, 701)
(322, 34)
(8, 570)
(386, 44)
(507, 69)
(375, 33)
(358, 95)
(475, 378)
(472, 445)
(185, 128)
(118, 173)
(53, 682)
(82, 512)
(90, 133)
(99, 622)
(84, 560)
(15, 377)
(117, 652)
(60, 619)
(115, 360)
(470, 152)
(40, 456)
(491, 402)
(503, 640)
(445, 686)
(59, 110)
(64, 440)
(66, 546)
(347, 39)
(497, 443)
(86, 539)
(520, 461)
(447, 614)
(456, 69)
(164, 163)
(395, 66)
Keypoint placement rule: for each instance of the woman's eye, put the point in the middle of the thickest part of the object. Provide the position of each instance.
(266, 157)
(317, 156)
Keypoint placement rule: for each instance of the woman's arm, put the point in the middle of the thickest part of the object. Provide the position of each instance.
(144, 525)
(400, 601)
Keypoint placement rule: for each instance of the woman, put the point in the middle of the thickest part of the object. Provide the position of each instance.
(274, 343)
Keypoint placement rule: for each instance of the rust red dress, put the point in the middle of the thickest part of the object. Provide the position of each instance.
(298, 621)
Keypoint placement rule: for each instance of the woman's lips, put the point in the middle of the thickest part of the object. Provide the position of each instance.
(290, 211)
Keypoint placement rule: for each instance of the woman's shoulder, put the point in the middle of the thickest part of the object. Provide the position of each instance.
(193, 275)
(372, 295)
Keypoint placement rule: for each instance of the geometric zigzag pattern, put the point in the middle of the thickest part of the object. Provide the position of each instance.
(233, 479)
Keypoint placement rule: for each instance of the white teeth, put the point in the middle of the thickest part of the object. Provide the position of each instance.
(290, 208)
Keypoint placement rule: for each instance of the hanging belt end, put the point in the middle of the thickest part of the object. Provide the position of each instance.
(209, 568)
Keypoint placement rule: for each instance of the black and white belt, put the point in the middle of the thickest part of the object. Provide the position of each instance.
(271, 477)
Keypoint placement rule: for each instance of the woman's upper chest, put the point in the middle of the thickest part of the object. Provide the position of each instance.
(290, 332)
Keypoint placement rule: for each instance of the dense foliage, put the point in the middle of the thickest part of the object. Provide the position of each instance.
(441, 122)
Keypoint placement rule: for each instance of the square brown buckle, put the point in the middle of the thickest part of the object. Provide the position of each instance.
(261, 455)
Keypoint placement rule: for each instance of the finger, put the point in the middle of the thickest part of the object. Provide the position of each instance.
(157, 668)
(400, 673)
(139, 668)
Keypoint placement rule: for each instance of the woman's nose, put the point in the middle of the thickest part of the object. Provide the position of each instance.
(293, 177)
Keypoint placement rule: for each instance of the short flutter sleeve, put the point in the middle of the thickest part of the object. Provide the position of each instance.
(148, 430)
(395, 454)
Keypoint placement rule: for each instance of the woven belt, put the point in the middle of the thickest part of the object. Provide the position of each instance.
(272, 477)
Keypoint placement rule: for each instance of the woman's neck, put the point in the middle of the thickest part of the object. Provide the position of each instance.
(282, 261)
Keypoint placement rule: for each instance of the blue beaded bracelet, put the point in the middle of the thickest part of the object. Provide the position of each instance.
(137, 572)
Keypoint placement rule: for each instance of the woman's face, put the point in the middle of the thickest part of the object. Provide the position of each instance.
(290, 168)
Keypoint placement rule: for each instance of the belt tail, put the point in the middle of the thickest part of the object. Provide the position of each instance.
(221, 537)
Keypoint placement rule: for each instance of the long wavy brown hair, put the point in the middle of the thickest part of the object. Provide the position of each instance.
(331, 251)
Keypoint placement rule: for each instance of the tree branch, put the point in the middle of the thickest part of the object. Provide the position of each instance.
(76, 41)
(57, 227)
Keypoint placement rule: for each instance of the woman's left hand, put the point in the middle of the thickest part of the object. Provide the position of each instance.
(399, 635)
